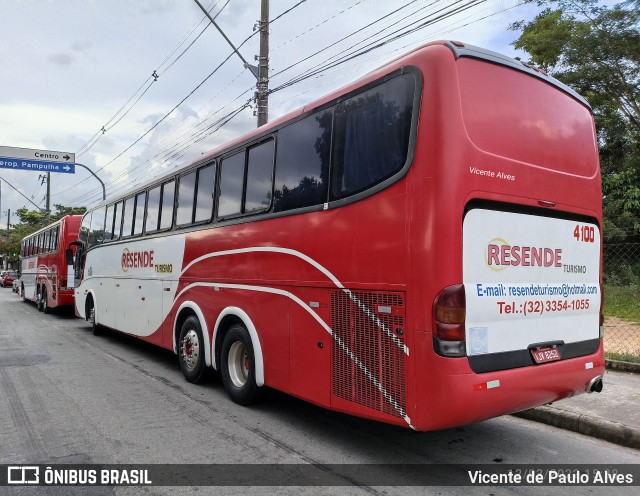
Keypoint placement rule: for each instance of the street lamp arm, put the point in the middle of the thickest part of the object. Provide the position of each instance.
(104, 196)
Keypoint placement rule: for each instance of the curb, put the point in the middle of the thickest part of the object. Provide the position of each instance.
(588, 425)
(623, 366)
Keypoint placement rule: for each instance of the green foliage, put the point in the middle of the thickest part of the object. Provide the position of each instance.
(622, 302)
(31, 221)
(596, 50)
(621, 357)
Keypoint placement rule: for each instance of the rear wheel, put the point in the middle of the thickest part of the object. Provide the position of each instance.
(238, 366)
(191, 350)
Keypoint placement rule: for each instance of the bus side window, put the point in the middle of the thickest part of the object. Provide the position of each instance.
(168, 197)
(83, 235)
(204, 197)
(117, 220)
(186, 196)
(371, 136)
(127, 221)
(56, 232)
(153, 210)
(259, 177)
(45, 241)
(139, 213)
(231, 184)
(108, 224)
(96, 235)
(302, 163)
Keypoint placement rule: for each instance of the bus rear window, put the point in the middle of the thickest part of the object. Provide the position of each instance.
(517, 116)
(371, 136)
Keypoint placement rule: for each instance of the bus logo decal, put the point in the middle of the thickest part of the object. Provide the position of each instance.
(500, 255)
(136, 259)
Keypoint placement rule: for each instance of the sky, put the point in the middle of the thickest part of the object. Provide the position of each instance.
(150, 75)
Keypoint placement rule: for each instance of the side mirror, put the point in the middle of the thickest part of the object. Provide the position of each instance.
(69, 256)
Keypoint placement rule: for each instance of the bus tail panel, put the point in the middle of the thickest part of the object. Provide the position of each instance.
(449, 394)
(532, 287)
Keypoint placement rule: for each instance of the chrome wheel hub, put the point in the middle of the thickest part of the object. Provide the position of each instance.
(238, 364)
(190, 349)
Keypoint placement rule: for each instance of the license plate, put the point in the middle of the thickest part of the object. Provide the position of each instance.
(545, 354)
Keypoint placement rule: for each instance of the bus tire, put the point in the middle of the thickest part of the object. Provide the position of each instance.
(39, 298)
(238, 366)
(91, 317)
(191, 350)
(45, 305)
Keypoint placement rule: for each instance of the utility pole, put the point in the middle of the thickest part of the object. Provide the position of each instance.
(263, 65)
(8, 217)
(48, 209)
(261, 73)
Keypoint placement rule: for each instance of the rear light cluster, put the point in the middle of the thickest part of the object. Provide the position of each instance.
(449, 313)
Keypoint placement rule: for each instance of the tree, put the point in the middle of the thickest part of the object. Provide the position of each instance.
(596, 50)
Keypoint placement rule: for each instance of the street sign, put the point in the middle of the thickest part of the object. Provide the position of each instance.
(37, 160)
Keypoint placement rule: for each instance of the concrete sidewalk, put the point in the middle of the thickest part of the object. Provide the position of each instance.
(612, 415)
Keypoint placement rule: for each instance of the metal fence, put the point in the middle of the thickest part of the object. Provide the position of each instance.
(621, 265)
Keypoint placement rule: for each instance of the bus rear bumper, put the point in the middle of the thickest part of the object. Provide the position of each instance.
(454, 395)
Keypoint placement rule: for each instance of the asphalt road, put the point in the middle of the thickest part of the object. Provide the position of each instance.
(69, 397)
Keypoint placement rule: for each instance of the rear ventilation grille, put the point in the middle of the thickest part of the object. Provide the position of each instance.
(365, 325)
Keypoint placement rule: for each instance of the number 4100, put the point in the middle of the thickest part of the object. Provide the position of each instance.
(584, 233)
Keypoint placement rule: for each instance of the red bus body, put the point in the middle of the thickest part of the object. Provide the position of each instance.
(341, 301)
(44, 270)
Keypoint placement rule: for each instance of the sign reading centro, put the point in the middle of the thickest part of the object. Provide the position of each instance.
(136, 259)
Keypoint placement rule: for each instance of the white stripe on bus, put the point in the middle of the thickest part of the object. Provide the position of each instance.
(288, 251)
(324, 325)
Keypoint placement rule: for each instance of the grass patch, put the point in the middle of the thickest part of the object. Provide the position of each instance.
(622, 302)
(621, 357)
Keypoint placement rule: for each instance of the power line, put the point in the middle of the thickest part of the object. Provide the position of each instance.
(178, 148)
(379, 43)
(183, 100)
(300, 35)
(142, 90)
(355, 68)
(220, 123)
(209, 131)
(20, 193)
(343, 38)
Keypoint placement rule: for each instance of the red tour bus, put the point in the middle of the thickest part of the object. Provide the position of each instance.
(421, 248)
(46, 269)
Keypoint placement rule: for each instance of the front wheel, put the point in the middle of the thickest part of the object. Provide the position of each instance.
(45, 304)
(39, 299)
(238, 366)
(91, 317)
(191, 350)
